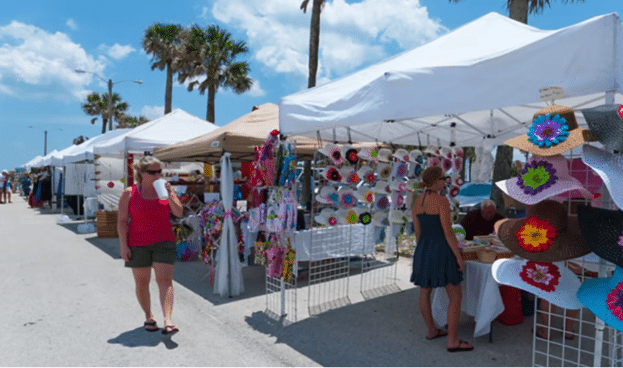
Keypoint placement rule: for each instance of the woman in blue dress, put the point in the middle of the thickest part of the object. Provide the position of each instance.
(437, 260)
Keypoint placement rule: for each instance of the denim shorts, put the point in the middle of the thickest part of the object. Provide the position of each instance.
(146, 256)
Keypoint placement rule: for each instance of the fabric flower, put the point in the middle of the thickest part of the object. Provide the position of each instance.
(332, 220)
(347, 200)
(620, 240)
(385, 172)
(351, 156)
(459, 181)
(335, 154)
(333, 174)
(546, 130)
(418, 170)
(621, 111)
(382, 202)
(399, 200)
(454, 191)
(419, 159)
(368, 197)
(536, 235)
(333, 198)
(370, 178)
(446, 164)
(433, 162)
(458, 164)
(544, 276)
(351, 217)
(536, 177)
(353, 178)
(614, 301)
(401, 170)
(365, 218)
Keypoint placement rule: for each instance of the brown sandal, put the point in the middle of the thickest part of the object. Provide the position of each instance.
(461, 348)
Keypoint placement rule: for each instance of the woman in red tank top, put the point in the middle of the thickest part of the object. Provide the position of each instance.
(146, 238)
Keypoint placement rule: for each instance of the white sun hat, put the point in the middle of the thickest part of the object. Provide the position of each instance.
(348, 216)
(416, 156)
(347, 197)
(384, 171)
(445, 152)
(402, 155)
(368, 153)
(349, 175)
(385, 155)
(328, 195)
(432, 150)
(609, 167)
(398, 186)
(400, 169)
(333, 152)
(381, 187)
(380, 219)
(366, 174)
(327, 217)
(365, 194)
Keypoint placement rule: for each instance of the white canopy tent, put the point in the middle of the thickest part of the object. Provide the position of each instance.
(84, 151)
(32, 162)
(174, 127)
(476, 86)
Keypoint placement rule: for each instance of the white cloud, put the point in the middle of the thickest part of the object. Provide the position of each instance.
(36, 64)
(117, 51)
(152, 112)
(256, 90)
(71, 24)
(351, 35)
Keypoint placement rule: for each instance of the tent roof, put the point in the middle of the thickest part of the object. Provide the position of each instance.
(484, 76)
(84, 151)
(173, 127)
(239, 138)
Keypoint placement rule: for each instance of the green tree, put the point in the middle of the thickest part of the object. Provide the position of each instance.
(81, 139)
(517, 10)
(127, 121)
(97, 105)
(163, 42)
(314, 39)
(211, 52)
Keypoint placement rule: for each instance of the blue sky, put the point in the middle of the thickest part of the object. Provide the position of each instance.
(42, 42)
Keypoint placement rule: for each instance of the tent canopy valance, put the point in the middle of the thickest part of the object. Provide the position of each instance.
(239, 138)
(477, 85)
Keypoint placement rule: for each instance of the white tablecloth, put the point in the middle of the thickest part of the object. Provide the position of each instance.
(481, 298)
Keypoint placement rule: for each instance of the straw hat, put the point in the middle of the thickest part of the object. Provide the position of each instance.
(368, 154)
(402, 155)
(554, 130)
(331, 173)
(333, 152)
(546, 234)
(602, 230)
(365, 194)
(328, 195)
(350, 154)
(384, 171)
(606, 124)
(603, 297)
(542, 178)
(551, 281)
(380, 219)
(385, 155)
(327, 217)
(609, 167)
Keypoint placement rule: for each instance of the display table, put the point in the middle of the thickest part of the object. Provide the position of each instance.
(481, 298)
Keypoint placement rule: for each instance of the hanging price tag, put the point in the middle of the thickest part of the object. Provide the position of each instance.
(551, 93)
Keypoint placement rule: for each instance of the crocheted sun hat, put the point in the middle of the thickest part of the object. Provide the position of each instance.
(606, 124)
(554, 130)
(604, 297)
(609, 167)
(550, 281)
(546, 234)
(602, 230)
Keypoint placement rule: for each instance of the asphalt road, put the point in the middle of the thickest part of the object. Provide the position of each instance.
(67, 300)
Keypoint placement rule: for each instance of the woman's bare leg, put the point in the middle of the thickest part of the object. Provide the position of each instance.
(142, 276)
(164, 279)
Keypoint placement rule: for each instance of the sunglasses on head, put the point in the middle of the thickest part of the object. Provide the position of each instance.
(153, 172)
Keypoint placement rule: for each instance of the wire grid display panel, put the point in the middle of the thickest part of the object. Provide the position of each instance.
(328, 277)
(379, 273)
(593, 342)
(281, 299)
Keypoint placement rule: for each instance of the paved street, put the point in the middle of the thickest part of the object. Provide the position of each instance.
(68, 301)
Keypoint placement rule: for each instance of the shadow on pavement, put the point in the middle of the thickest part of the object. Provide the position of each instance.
(140, 337)
(389, 331)
(109, 246)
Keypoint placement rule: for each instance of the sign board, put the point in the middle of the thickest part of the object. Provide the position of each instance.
(551, 93)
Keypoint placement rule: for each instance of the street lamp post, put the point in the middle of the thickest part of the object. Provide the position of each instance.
(110, 83)
(45, 139)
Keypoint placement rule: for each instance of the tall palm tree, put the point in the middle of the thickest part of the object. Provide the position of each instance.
(163, 41)
(79, 140)
(517, 10)
(211, 52)
(314, 39)
(127, 121)
(97, 105)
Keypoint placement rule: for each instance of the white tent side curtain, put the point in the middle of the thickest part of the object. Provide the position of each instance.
(484, 76)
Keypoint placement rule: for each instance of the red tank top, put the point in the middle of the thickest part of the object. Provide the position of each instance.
(149, 220)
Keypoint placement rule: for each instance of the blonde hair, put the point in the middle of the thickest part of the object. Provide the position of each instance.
(141, 166)
(430, 177)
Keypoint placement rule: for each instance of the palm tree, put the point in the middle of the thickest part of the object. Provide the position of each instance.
(81, 139)
(163, 41)
(314, 39)
(517, 10)
(211, 52)
(127, 121)
(97, 106)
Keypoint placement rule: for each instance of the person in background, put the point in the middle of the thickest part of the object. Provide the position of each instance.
(481, 220)
(3, 185)
(147, 240)
(26, 184)
(8, 186)
(437, 260)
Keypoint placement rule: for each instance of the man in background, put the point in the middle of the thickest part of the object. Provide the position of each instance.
(480, 221)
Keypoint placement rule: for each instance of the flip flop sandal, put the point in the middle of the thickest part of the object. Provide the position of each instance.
(170, 330)
(440, 333)
(151, 326)
(459, 348)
